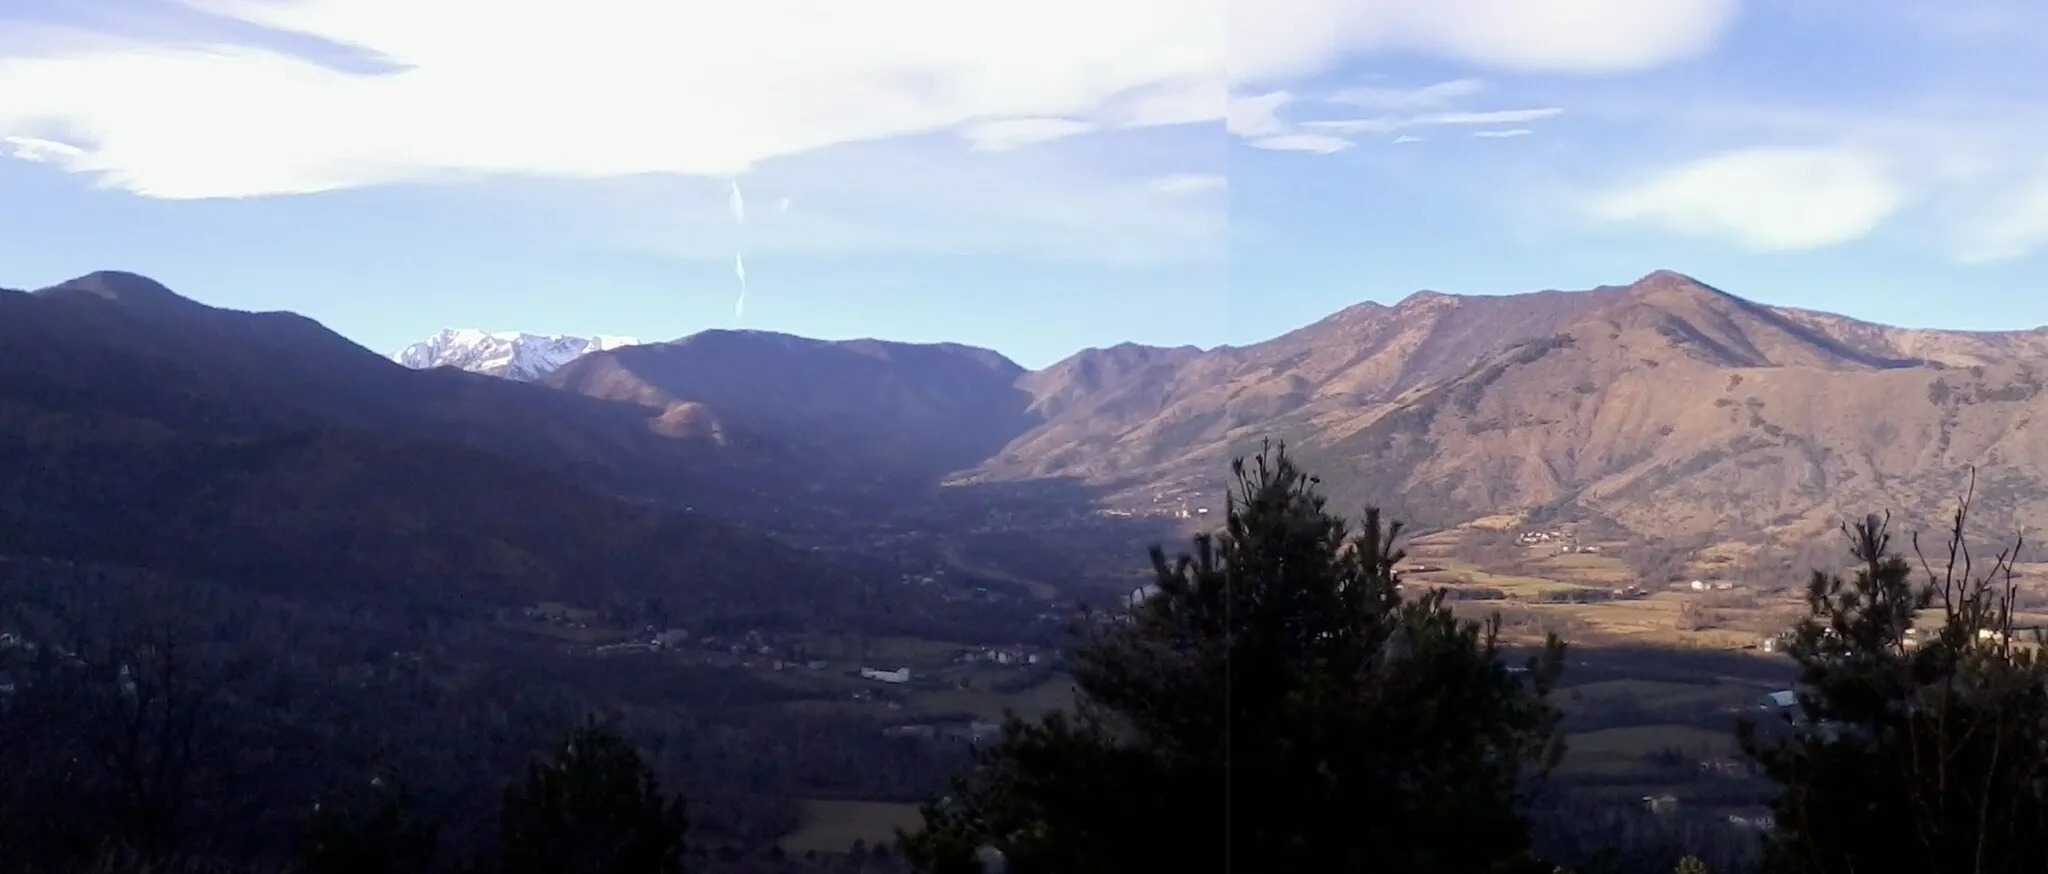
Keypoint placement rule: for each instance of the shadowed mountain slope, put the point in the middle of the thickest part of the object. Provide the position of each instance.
(142, 427)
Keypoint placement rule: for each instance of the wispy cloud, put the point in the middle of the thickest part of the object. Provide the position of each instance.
(1319, 144)
(1564, 36)
(1912, 126)
(1954, 170)
(1504, 116)
(851, 199)
(1258, 119)
(1016, 133)
(1765, 199)
(1193, 100)
(40, 150)
(1258, 115)
(1391, 123)
(465, 87)
(2008, 227)
(1503, 134)
(1264, 118)
(602, 88)
(1378, 97)
(462, 88)
(1190, 183)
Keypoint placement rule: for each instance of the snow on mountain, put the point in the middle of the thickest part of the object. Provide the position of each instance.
(510, 354)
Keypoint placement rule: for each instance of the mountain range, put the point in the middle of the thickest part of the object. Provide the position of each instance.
(1665, 408)
(1445, 407)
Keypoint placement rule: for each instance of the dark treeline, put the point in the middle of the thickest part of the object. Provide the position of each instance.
(176, 720)
(1281, 704)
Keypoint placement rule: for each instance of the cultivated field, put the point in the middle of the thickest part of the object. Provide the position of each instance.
(834, 826)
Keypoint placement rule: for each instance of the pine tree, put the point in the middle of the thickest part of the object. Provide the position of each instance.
(1930, 757)
(380, 834)
(1278, 705)
(594, 808)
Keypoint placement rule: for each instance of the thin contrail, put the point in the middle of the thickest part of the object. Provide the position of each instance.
(737, 204)
(739, 269)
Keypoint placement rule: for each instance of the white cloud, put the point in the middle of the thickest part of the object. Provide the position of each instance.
(2006, 226)
(1190, 183)
(1256, 118)
(1766, 199)
(1257, 115)
(1313, 143)
(601, 88)
(1281, 38)
(609, 88)
(1016, 133)
(1391, 123)
(1197, 100)
(1425, 97)
(1949, 163)
(1954, 170)
(1504, 116)
(1564, 35)
(40, 150)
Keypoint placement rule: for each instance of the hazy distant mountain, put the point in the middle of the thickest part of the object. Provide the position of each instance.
(866, 406)
(510, 354)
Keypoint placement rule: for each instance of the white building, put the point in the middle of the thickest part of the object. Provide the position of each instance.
(900, 675)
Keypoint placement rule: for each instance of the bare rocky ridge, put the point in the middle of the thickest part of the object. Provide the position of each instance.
(1668, 407)
(1186, 408)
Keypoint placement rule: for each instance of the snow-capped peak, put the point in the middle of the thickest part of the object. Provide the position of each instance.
(510, 354)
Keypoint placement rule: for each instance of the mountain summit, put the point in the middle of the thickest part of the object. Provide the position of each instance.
(510, 354)
(116, 285)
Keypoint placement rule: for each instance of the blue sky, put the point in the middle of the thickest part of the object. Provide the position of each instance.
(1035, 177)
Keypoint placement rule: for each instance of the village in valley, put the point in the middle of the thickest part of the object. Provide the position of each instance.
(912, 687)
(1663, 663)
